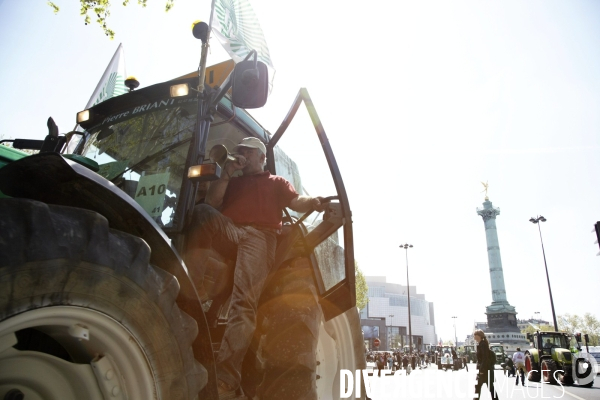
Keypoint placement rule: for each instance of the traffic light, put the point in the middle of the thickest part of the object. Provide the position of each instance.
(597, 229)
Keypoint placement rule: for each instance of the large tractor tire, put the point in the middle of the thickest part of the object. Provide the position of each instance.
(532, 368)
(82, 313)
(548, 369)
(300, 353)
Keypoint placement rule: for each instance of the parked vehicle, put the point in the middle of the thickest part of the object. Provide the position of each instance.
(551, 359)
(469, 352)
(445, 360)
(93, 241)
(498, 350)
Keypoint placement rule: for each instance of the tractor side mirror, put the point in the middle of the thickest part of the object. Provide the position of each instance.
(578, 337)
(586, 337)
(530, 337)
(250, 87)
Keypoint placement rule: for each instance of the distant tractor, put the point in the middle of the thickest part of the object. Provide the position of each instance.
(446, 361)
(551, 359)
(469, 352)
(498, 350)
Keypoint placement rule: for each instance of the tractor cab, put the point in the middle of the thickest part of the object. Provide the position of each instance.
(553, 340)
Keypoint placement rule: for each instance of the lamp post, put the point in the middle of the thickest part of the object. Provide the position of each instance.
(455, 337)
(406, 246)
(390, 333)
(537, 222)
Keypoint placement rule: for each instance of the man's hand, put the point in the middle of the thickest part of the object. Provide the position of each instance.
(216, 190)
(238, 164)
(307, 203)
(319, 204)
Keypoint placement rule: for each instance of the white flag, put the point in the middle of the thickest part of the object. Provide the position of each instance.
(112, 82)
(110, 85)
(237, 29)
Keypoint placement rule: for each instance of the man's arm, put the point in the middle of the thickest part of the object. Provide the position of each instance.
(307, 203)
(216, 191)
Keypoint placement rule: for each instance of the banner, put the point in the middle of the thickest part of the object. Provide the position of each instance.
(110, 85)
(112, 82)
(236, 27)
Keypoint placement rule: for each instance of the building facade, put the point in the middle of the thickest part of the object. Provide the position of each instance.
(535, 323)
(386, 316)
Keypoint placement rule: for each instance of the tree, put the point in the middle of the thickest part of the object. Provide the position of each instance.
(569, 323)
(591, 326)
(102, 10)
(587, 324)
(362, 290)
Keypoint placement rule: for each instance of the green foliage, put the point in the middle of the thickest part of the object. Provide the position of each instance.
(101, 8)
(572, 323)
(362, 290)
(54, 7)
(587, 324)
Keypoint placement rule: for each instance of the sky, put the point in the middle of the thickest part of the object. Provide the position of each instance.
(421, 101)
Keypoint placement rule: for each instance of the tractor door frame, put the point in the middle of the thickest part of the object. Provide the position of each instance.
(342, 296)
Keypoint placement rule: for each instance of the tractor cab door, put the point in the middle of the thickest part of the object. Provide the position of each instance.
(300, 152)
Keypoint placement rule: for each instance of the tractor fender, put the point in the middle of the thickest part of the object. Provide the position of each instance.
(53, 179)
(535, 354)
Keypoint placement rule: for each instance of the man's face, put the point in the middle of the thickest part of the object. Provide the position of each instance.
(254, 159)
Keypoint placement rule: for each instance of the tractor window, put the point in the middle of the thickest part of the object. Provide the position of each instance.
(144, 155)
(553, 341)
(299, 158)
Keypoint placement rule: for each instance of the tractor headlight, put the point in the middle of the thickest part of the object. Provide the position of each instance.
(204, 172)
(180, 90)
(83, 116)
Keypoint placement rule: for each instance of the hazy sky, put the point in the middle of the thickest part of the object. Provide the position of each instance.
(421, 100)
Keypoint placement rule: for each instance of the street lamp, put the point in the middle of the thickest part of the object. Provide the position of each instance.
(390, 332)
(455, 337)
(406, 246)
(536, 221)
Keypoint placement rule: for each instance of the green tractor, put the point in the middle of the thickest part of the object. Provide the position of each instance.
(469, 352)
(552, 360)
(96, 288)
(498, 350)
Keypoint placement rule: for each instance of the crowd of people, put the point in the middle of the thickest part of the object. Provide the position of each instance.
(486, 359)
(397, 359)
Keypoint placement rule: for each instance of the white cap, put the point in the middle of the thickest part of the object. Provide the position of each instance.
(253, 143)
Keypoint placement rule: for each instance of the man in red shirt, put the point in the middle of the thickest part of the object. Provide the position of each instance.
(244, 214)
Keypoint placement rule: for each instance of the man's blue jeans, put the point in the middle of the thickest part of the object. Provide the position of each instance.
(255, 250)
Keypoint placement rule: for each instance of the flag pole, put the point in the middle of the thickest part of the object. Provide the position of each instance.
(204, 54)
